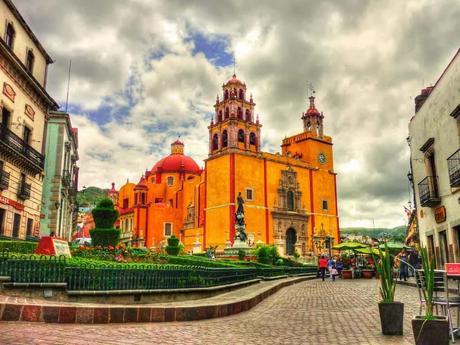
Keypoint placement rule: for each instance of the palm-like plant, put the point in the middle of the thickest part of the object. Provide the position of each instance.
(385, 270)
(428, 280)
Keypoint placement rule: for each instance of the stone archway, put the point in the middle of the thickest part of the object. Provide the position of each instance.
(291, 239)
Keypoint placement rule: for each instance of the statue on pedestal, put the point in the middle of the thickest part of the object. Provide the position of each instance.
(240, 225)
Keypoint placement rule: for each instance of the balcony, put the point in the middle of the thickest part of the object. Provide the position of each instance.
(453, 166)
(20, 152)
(4, 179)
(428, 190)
(24, 191)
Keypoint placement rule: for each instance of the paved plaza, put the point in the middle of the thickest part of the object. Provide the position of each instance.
(311, 312)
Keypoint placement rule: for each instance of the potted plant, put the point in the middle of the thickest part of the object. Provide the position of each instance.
(391, 312)
(429, 329)
(347, 273)
(367, 272)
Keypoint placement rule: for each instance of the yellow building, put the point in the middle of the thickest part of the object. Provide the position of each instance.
(290, 197)
(24, 104)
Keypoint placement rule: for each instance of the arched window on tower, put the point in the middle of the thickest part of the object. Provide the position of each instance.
(219, 118)
(290, 200)
(224, 138)
(215, 142)
(248, 115)
(241, 94)
(227, 113)
(240, 113)
(226, 94)
(241, 136)
(252, 138)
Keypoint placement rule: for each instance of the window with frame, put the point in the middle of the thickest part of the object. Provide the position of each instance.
(125, 202)
(27, 135)
(6, 115)
(30, 59)
(10, 33)
(170, 180)
(325, 205)
(168, 229)
(30, 226)
(249, 194)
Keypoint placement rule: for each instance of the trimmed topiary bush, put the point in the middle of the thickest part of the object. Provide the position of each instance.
(173, 247)
(105, 215)
(105, 237)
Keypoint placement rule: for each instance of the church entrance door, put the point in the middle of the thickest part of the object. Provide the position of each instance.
(291, 239)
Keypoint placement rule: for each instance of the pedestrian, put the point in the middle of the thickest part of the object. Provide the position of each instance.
(322, 266)
(403, 266)
(334, 273)
(339, 267)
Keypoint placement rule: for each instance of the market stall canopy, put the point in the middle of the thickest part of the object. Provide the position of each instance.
(394, 246)
(368, 251)
(349, 246)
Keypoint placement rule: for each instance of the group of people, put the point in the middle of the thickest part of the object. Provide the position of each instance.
(332, 265)
(408, 263)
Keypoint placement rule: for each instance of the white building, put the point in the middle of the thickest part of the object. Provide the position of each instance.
(24, 104)
(434, 140)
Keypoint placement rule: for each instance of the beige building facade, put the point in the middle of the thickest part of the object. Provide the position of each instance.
(434, 139)
(24, 104)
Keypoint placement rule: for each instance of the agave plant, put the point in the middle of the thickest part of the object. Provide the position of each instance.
(428, 280)
(385, 270)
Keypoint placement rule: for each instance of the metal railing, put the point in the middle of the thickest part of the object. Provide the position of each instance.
(24, 190)
(66, 178)
(453, 165)
(14, 142)
(428, 191)
(4, 179)
(46, 269)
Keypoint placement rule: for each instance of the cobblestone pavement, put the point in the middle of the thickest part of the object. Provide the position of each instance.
(311, 312)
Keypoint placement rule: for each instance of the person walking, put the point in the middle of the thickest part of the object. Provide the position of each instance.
(339, 267)
(403, 266)
(322, 266)
(334, 273)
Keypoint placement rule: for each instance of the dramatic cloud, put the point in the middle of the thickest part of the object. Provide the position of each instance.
(145, 72)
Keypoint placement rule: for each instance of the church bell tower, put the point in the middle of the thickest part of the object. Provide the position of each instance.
(233, 125)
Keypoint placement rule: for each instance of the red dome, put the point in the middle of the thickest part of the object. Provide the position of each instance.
(176, 163)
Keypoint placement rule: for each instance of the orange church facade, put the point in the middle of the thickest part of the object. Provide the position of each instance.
(290, 197)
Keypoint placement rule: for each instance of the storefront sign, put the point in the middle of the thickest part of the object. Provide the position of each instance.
(452, 269)
(440, 214)
(52, 246)
(16, 205)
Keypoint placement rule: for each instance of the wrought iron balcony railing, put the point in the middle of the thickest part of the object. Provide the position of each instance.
(453, 164)
(24, 191)
(4, 179)
(20, 151)
(428, 190)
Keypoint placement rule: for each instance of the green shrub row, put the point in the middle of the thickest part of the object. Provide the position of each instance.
(198, 261)
(23, 247)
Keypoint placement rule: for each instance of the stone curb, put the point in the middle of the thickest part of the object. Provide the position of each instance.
(134, 313)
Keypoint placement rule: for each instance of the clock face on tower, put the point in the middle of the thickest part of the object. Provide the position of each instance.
(322, 158)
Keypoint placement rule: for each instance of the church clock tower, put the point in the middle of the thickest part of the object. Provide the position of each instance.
(233, 126)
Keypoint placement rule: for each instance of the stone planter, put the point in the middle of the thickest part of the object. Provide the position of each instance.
(368, 274)
(391, 318)
(431, 332)
(347, 274)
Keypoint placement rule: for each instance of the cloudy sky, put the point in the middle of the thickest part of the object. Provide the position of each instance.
(145, 72)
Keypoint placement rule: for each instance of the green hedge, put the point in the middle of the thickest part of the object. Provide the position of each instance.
(23, 247)
(198, 261)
